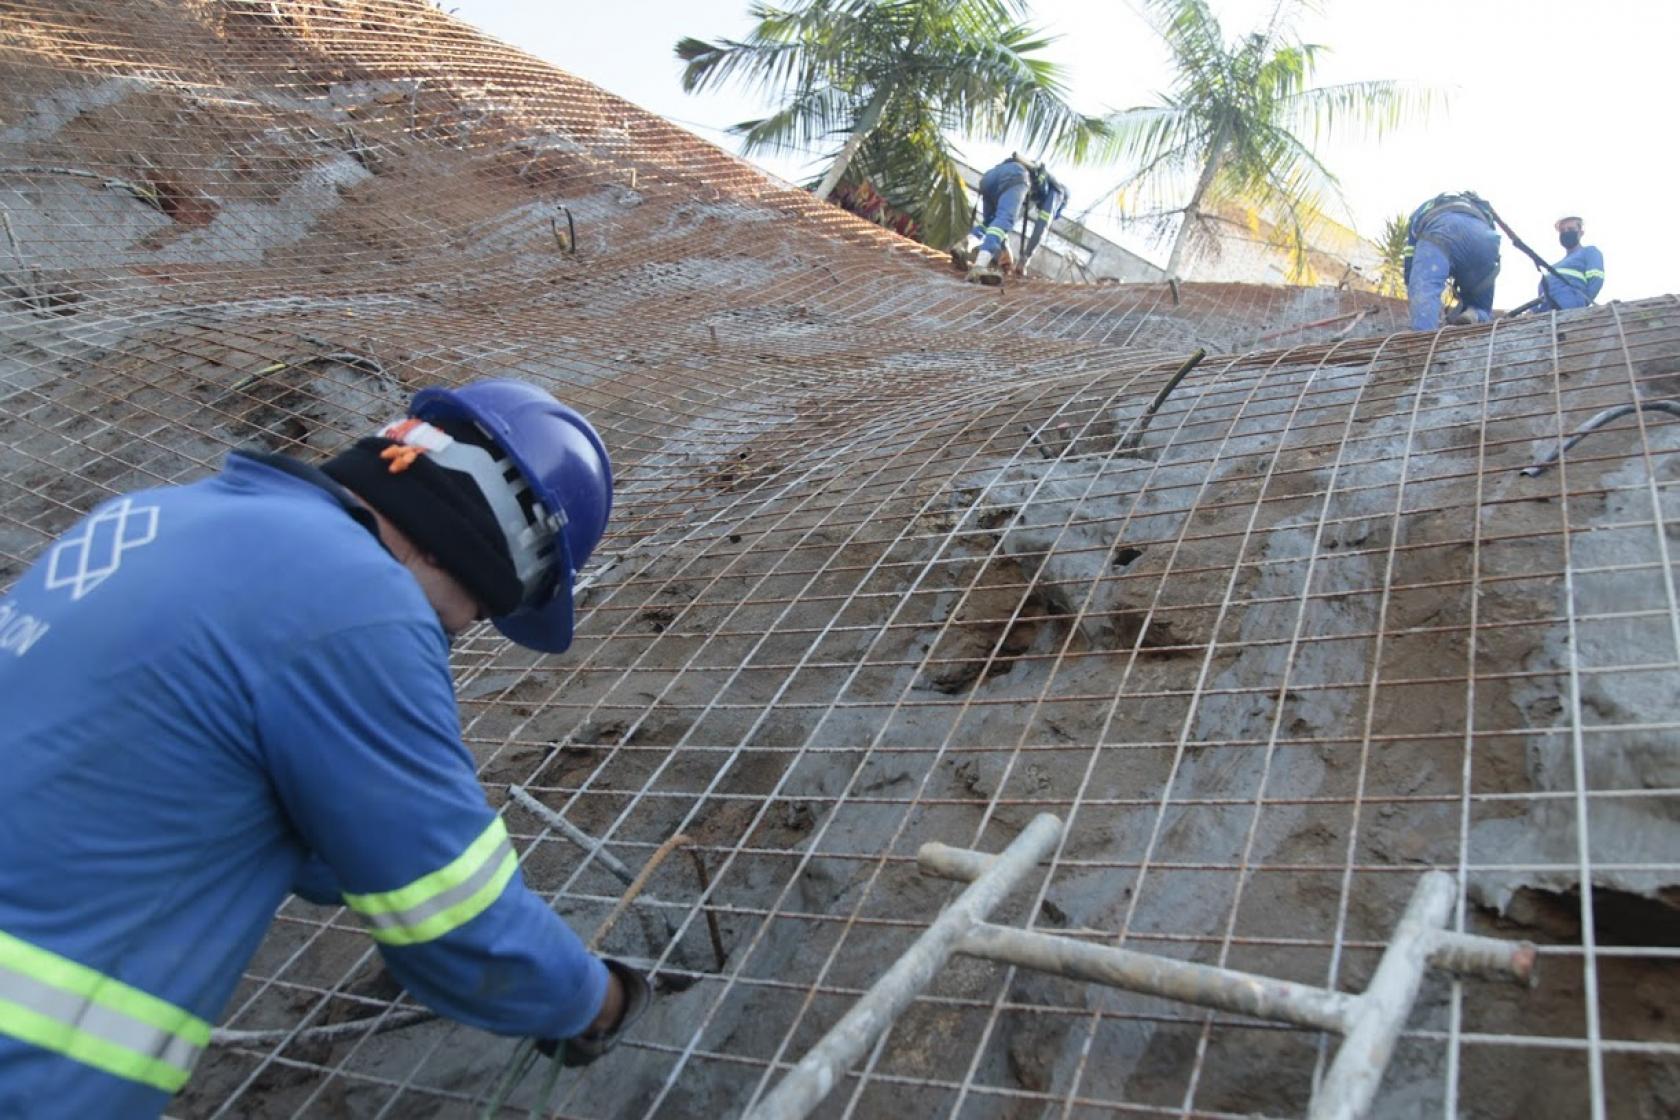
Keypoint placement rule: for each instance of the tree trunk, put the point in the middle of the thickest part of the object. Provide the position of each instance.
(861, 128)
(1194, 209)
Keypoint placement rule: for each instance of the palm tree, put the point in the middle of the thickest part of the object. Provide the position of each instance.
(1235, 118)
(1391, 281)
(897, 78)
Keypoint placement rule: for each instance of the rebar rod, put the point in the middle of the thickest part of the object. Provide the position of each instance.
(850, 1039)
(591, 846)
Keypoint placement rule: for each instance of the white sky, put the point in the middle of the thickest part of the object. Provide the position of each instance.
(1556, 106)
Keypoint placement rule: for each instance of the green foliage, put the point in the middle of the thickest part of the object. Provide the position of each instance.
(1392, 280)
(1242, 118)
(893, 80)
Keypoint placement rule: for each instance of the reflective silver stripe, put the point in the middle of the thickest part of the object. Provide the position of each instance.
(98, 1020)
(414, 915)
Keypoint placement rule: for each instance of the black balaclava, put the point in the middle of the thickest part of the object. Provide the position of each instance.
(441, 511)
(1569, 238)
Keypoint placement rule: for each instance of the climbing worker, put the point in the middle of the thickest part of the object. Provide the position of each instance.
(239, 687)
(1045, 203)
(1452, 236)
(1581, 270)
(1003, 193)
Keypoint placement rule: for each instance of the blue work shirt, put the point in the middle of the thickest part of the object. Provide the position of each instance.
(201, 687)
(1583, 271)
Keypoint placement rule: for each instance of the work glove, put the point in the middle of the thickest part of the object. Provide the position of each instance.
(585, 1048)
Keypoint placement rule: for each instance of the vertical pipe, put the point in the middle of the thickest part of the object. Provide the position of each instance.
(874, 1013)
(1353, 1079)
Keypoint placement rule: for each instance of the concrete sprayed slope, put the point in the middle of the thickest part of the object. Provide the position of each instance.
(893, 560)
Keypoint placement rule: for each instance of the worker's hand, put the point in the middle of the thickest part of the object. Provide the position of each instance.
(628, 997)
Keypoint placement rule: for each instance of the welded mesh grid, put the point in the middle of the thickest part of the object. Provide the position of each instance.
(886, 568)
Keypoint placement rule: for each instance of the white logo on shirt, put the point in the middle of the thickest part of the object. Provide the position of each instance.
(84, 561)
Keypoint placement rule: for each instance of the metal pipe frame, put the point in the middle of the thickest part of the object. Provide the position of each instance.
(811, 1080)
(1370, 1024)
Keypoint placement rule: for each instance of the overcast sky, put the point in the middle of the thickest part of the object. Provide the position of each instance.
(1555, 106)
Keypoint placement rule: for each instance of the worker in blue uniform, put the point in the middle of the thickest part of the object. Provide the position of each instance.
(1046, 200)
(1579, 275)
(217, 693)
(1004, 191)
(1451, 237)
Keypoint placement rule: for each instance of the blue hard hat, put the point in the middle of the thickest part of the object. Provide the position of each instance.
(564, 463)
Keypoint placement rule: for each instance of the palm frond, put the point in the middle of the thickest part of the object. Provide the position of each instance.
(1372, 108)
(811, 118)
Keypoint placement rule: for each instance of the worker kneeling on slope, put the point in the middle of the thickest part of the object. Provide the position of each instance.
(1005, 192)
(1451, 237)
(1576, 280)
(240, 687)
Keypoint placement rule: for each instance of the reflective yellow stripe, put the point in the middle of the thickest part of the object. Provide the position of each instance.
(997, 231)
(445, 899)
(53, 1002)
(1573, 274)
(1595, 273)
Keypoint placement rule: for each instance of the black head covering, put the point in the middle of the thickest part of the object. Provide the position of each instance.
(441, 511)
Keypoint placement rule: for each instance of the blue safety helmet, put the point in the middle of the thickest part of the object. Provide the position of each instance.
(563, 494)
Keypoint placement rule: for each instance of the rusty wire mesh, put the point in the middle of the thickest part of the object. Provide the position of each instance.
(893, 559)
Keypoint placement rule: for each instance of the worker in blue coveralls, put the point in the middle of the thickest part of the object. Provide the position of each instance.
(1005, 192)
(1581, 269)
(215, 694)
(1452, 236)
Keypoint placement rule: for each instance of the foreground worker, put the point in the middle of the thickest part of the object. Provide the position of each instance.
(1581, 270)
(240, 687)
(1451, 237)
(1004, 192)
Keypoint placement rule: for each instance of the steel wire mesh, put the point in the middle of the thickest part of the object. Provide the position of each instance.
(885, 569)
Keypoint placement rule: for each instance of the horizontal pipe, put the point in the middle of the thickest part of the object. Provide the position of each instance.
(876, 1010)
(1486, 958)
(1203, 985)
(961, 864)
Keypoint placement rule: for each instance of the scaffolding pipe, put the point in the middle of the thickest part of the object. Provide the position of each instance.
(1354, 1076)
(874, 1013)
(1485, 958)
(1370, 1023)
(1200, 984)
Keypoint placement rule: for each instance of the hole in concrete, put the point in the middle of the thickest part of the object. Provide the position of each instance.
(1619, 917)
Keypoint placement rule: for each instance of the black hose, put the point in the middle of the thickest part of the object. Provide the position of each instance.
(1596, 422)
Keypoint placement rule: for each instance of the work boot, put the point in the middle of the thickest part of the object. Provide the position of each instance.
(983, 271)
(962, 253)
